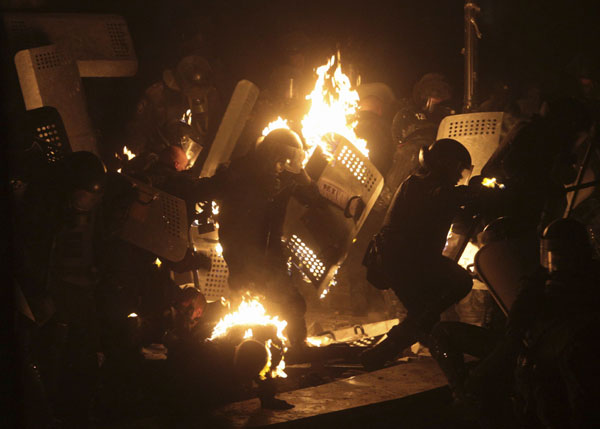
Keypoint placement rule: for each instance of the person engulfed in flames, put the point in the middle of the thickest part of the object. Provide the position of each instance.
(252, 193)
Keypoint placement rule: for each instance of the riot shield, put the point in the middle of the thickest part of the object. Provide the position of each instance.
(317, 239)
(502, 264)
(478, 132)
(157, 222)
(49, 76)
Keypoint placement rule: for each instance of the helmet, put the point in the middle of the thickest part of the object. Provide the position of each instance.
(84, 176)
(84, 171)
(432, 85)
(283, 145)
(407, 122)
(446, 158)
(193, 70)
(250, 358)
(565, 246)
(499, 229)
(193, 77)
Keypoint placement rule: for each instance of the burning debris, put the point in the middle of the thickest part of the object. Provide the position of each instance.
(491, 183)
(186, 118)
(251, 321)
(130, 155)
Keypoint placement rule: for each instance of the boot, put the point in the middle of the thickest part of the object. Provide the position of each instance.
(398, 338)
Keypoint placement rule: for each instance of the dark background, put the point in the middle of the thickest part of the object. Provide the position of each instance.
(397, 41)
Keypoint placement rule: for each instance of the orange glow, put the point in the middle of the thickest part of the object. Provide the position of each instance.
(333, 109)
(251, 312)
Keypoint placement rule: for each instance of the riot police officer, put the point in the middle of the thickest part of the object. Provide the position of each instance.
(186, 95)
(545, 343)
(58, 232)
(252, 193)
(412, 240)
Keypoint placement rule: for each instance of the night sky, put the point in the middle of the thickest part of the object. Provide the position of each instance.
(396, 41)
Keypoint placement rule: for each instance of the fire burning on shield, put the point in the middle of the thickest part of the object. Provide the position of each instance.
(333, 109)
(334, 105)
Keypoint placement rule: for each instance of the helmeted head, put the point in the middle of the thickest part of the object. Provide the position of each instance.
(448, 160)
(565, 247)
(375, 97)
(250, 358)
(430, 90)
(283, 150)
(85, 179)
(407, 122)
(194, 78)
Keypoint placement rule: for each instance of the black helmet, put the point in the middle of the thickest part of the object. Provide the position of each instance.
(84, 171)
(250, 358)
(431, 85)
(407, 122)
(83, 178)
(193, 70)
(565, 246)
(445, 158)
(283, 145)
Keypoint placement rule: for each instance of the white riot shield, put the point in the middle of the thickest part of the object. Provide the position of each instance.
(213, 283)
(233, 122)
(49, 77)
(156, 222)
(478, 132)
(318, 238)
(99, 44)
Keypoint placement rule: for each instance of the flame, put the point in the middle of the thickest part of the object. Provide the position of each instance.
(130, 155)
(491, 183)
(334, 105)
(186, 118)
(331, 284)
(275, 125)
(251, 312)
(157, 262)
(219, 249)
(319, 341)
(132, 315)
(215, 208)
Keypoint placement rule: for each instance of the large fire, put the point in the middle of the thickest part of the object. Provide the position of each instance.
(334, 105)
(333, 109)
(250, 316)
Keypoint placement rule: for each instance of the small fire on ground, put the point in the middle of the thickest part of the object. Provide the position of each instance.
(250, 320)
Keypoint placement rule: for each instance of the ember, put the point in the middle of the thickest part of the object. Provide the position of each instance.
(130, 155)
